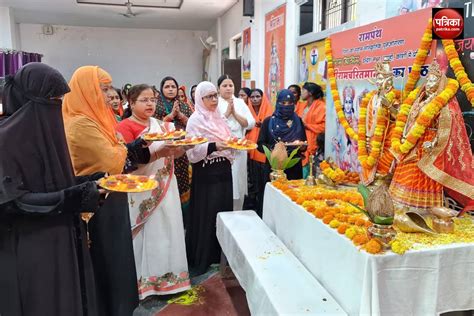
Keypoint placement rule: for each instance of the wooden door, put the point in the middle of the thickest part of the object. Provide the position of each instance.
(232, 67)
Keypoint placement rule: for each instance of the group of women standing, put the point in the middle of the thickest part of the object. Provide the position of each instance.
(57, 262)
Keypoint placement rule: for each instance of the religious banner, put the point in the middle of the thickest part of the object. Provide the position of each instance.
(246, 57)
(275, 52)
(312, 64)
(355, 53)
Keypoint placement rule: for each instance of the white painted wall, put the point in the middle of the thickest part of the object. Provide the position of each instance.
(232, 23)
(214, 63)
(369, 11)
(8, 29)
(129, 55)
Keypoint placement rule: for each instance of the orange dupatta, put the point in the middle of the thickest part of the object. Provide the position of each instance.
(266, 110)
(90, 124)
(186, 100)
(300, 106)
(314, 123)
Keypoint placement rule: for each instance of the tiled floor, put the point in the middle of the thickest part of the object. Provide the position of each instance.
(218, 296)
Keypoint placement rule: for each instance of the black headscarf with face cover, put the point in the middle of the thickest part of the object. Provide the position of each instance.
(34, 155)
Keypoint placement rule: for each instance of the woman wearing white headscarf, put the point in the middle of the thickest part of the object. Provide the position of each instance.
(211, 186)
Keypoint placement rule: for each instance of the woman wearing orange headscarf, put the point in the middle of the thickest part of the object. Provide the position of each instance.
(183, 98)
(95, 147)
(261, 108)
(300, 104)
(314, 119)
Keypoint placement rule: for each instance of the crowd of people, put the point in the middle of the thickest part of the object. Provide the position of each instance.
(69, 247)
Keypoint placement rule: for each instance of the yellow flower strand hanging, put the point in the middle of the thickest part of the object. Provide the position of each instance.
(424, 119)
(335, 93)
(420, 59)
(466, 85)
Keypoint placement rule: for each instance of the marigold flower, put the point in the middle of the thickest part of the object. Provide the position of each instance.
(350, 233)
(342, 229)
(360, 239)
(373, 246)
(360, 222)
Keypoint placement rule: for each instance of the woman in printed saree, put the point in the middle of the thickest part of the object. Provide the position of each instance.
(438, 160)
(155, 216)
(95, 147)
(170, 109)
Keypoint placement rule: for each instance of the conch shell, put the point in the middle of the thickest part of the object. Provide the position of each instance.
(279, 155)
(412, 222)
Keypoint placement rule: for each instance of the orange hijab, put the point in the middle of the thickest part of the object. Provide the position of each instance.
(266, 110)
(86, 99)
(189, 103)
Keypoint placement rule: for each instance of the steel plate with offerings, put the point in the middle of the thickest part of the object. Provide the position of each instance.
(171, 135)
(128, 183)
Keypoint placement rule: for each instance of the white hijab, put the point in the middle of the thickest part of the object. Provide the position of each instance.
(207, 123)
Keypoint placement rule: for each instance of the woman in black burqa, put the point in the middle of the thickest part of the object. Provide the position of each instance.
(45, 268)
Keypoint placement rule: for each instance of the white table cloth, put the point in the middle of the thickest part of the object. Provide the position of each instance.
(275, 282)
(422, 282)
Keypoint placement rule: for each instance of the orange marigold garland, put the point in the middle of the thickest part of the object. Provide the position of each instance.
(424, 119)
(367, 160)
(335, 93)
(420, 58)
(466, 85)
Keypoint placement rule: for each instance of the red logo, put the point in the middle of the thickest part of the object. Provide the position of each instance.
(448, 23)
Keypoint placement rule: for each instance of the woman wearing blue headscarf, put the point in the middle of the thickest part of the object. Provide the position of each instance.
(283, 126)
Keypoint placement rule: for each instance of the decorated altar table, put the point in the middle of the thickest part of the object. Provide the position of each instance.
(420, 282)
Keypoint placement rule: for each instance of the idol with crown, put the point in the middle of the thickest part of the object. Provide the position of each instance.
(377, 114)
(431, 147)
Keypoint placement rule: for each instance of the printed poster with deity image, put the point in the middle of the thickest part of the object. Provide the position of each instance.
(275, 52)
(246, 55)
(312, 64)
(355, 53)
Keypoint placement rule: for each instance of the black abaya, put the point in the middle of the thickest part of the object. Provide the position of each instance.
(112, 255)
(45, 267)
(211, 193)
(267, 139)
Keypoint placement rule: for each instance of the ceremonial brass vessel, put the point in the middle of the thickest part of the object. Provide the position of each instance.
(442, 225)
(277, 174)
(310, 180)
(383, 233)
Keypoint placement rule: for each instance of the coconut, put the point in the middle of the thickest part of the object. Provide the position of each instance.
(279, 155)
(380, 202)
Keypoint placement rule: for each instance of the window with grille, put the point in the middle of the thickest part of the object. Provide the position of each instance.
(337, 12)
(306, 17)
